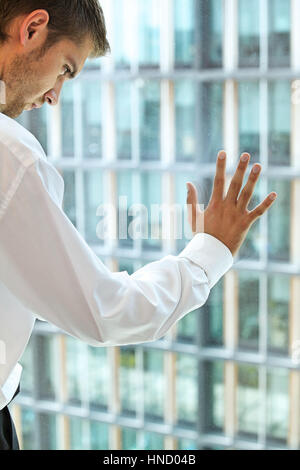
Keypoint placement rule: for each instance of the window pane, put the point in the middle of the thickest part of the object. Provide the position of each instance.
(248, 310)
(151, 195)
(99, 378)
(93, 198)
(214, 411)
(249, 18)
(129, 439)
(76, 367)
(28, 419)
(279, 219)
(129, 386)
(249, 97)
(183, 231)
(91, 119)
(123, 120)
(126, 265)
(252, 245)
(125, 190)
(150, 120)
(211, 122)
(212, 315)
(122, 33)
(184, 22)
(28, 369)
(185, 110)
(67, 120)
(186, 390)
(38, 125)
(99, 436)
(48, 433)
(279, 33)
(248, 401)
(79, 438)
(45, 352)
(154, 385)
(279, 294)
(153, 441)
(149, 32)
(278, 404)
(279, 123)
(186, 444)
(187, 327)
(69, 205)
(211, 12)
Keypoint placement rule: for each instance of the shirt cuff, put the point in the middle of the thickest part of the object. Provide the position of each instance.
(210, 254)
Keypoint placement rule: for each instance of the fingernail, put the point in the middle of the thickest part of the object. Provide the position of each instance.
(244, 158)
(222, 156)
(256, 169)
(273, 196)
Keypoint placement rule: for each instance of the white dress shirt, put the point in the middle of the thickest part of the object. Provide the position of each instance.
(48, 271)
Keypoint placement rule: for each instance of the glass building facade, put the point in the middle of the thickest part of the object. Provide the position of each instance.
(186, 78)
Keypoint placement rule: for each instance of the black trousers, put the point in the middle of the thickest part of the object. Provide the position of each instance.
(8, 435)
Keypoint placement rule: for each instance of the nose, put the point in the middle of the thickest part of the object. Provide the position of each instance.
(52, 96)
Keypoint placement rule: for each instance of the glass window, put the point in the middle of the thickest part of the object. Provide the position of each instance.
(279, 221)
(149, 33)
(122, 33)
(279, 33)
(28, 369)
(91, 119)
(183, 231)
(123, 119)
(154, 385)
(278, 404)
(252, 245)
(149, 120)
(184, 23)
(187, 327)
(45, 353)
(67, 120)
(153, 441)
(211, 121)
(212, 316)
(249, 134)
(185, 111)
(28, 419)
(279, 294)
(248, 310)
(248, 401)
(125, 190)
(129, 438)
(126, 265)
(99, 378)
(213, 382)
(69, 205)
(48, 434)
(99, 436)
(186, 390)
(279, 123)
(76, 367)
(151, 197)
(93, 198)
(249, 21)
(129, 385)
(211, 14)
(38, 125)
(186, 444)
(79, 435)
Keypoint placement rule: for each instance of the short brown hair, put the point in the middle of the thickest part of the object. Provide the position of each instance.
(69, 19)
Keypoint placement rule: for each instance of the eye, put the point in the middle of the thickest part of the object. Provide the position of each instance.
(67, 71)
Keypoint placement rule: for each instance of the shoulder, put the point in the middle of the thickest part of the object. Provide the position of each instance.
(17, 140)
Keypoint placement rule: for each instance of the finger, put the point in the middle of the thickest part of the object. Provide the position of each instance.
(237, 180)
(248, 190)
(195, 216)
(219, 180)
(262, 208)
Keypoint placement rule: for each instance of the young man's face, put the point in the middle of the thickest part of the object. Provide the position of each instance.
(31, 80)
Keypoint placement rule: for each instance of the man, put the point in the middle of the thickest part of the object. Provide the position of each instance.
(47, 270)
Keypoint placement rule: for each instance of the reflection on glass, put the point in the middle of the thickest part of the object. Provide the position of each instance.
(248, 310)
(153, 441)
(28, 427)
(278, 313)
(185, 115)
(186, 390)
(45, 354)
(75, 370)
(214, 411)
(184, 24)
(279, 33)
(129, 387)
(69, 205)
(211, 123)
(122, 33)
(99, 436)
(151, 197)
(48, 434)
(99, 378)
(248, 401)
(149, 120)
(79, 438)
(91, 119)
(128, 438)
(278, 404)
(211, 14)
(212, 315)
(252, 245)
(249, 48)
(125, 189)
(67, 120)
(154, 384)
(149, 32)
(279, 123)
(279, 218)
(93, 198)
(123, 119)
(187, 327)
(28, 368)
(249, 97)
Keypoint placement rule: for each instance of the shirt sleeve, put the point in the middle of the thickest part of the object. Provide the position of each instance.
(48, 266)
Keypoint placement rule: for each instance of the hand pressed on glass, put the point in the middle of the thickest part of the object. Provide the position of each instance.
(227, 218)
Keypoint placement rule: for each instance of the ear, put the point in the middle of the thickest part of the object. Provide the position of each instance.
(33, 26)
